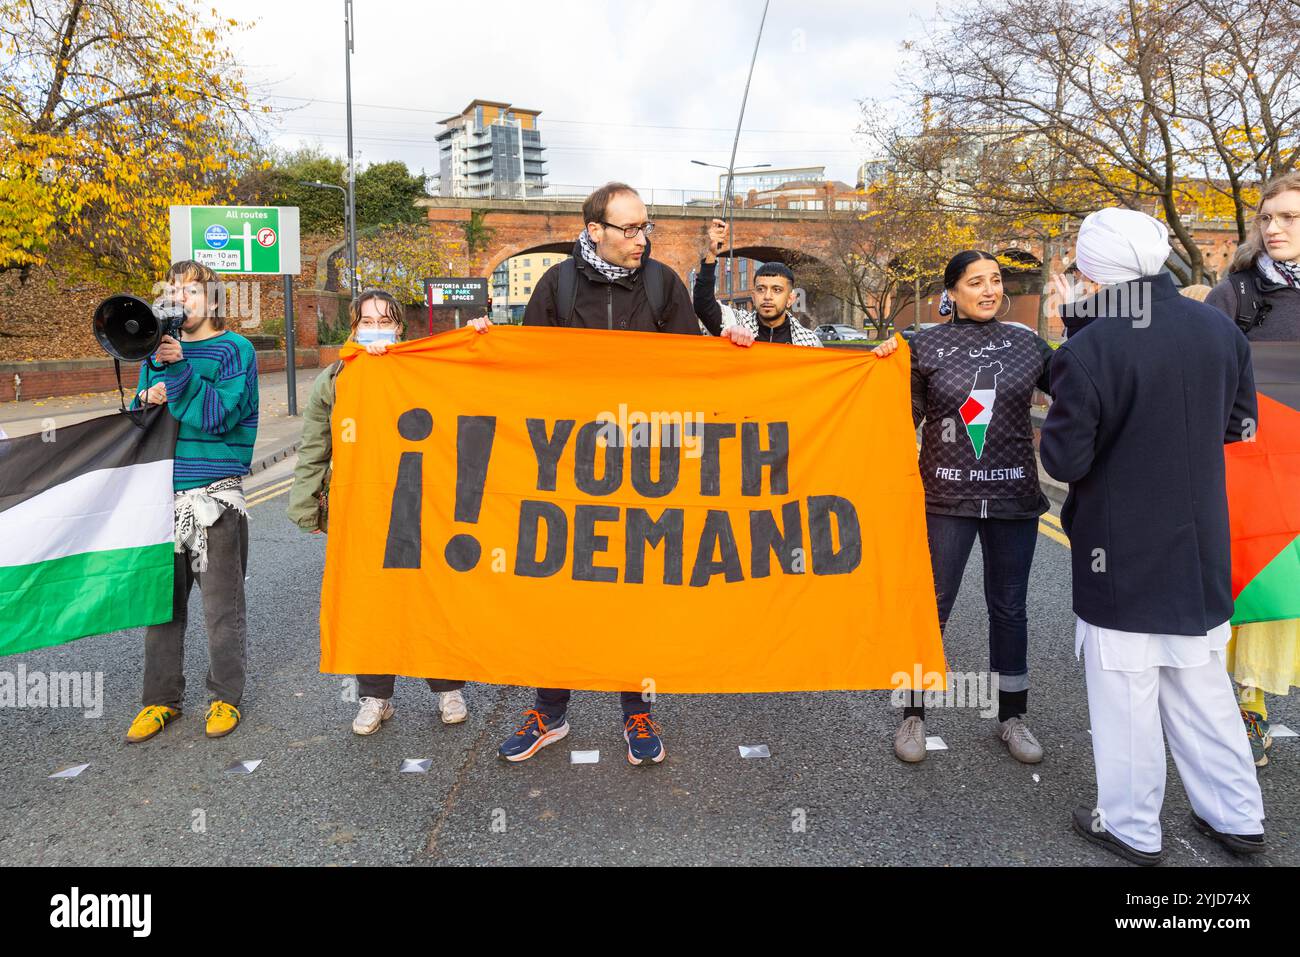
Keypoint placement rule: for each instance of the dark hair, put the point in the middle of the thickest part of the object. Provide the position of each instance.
(391, 310)
(959, 263)
(775, 269)
(593, 207)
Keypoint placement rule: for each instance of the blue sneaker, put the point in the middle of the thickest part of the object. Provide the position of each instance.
(643, 741)
(536, 733)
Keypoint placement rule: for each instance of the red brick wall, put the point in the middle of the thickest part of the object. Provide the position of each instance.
(41, 380)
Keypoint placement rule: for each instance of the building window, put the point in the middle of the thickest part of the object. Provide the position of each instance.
(546, 262)
(528, 277)
(527, 262)
(528, 290)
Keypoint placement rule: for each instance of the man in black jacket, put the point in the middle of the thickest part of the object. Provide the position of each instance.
(1145, 396)
(610, 283)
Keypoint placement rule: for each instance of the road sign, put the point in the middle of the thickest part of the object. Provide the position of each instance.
(455, 293)
(260, 240)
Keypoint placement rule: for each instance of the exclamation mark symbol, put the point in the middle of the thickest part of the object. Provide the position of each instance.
(474, 435)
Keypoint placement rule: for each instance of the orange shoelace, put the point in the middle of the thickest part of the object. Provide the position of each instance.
(532, 716)
(642, 724)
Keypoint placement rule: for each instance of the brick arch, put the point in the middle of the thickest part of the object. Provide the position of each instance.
(518, 226)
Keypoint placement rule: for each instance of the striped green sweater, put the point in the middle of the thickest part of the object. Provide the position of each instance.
(212, 393)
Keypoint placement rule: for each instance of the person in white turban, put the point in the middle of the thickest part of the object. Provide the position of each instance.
(1121, 245)
(1144, 398)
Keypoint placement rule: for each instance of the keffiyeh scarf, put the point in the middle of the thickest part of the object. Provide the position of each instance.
(1287, 273)
(608, 270)
(197, 509)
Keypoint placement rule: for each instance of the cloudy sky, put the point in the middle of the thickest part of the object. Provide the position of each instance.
(627, 91)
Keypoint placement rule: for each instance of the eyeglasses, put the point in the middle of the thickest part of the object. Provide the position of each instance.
(1285, 220)
(629, 232)
(377, 324)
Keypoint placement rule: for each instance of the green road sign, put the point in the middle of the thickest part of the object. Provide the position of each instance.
(260, 240)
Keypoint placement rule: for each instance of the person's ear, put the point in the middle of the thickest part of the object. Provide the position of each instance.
(595, 231)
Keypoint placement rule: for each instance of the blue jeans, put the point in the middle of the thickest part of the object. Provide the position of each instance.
(1007, 546)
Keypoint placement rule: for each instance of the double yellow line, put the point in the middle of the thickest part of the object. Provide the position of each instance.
(1050, 526)
(269, 492)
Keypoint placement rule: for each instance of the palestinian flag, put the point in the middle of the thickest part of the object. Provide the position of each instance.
(977, 410)
(86, 529)
(1264, 498)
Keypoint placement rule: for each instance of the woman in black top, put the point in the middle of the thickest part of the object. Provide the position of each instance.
(973, 380)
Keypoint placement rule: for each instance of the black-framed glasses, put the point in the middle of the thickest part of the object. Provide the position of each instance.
(629, 232)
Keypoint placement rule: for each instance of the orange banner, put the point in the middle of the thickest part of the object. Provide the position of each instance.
(573, 508)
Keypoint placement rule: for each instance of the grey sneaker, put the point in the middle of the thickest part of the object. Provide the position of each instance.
(909, 740)
(1020, 741)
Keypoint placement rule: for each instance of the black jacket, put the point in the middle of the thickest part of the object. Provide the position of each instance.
(1140, 416)
(604, 304)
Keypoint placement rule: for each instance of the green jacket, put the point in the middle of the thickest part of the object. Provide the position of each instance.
(312, 474)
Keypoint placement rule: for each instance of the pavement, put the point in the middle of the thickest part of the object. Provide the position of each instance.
(831, 792)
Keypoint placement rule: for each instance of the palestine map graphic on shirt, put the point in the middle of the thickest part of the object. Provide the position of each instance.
(977, 410)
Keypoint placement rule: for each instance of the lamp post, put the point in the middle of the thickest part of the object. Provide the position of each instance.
(728, 212)
(349, 235)
(352, 190)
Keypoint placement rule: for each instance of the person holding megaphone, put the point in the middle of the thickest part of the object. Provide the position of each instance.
(207, 379)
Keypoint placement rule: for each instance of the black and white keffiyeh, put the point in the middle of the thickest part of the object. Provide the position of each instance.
(197, 509)
(1287, 273)
(608, 270)
(800, 335)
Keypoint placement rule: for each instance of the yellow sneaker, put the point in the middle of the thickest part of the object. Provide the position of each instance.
(222, 719)
(149, 722)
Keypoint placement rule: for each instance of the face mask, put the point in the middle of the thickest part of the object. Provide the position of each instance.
(367, 336)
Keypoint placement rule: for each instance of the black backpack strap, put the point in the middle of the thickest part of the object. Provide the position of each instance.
(566, 291)
(658, 290)
(1252, 306)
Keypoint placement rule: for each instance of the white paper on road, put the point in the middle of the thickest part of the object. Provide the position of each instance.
(755, 751)
(71, 772)
(935, 743)
(584, 757)
(243, 767)
(415, 765)
(1282, 731)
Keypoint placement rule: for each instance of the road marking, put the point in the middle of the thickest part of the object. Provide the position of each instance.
(1051, 519)
(1053, 534)
(269, 492)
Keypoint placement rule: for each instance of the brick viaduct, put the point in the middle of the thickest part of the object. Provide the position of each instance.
(516, 227)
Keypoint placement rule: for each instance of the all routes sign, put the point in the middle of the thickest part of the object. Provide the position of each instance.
(261, 240)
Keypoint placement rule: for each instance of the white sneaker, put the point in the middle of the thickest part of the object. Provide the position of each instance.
(373, 713)
(452, 706)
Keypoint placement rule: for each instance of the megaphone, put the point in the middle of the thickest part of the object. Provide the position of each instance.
(130, 329)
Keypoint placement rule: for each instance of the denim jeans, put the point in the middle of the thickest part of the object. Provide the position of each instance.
(1007, 546)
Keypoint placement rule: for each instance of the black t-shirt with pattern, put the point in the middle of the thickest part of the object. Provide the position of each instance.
(972, 388)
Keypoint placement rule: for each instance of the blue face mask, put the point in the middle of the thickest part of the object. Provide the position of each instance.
(367, 336)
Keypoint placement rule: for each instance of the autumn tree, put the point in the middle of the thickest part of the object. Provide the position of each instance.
(110, 112)
(1177, 108)
(398, 259)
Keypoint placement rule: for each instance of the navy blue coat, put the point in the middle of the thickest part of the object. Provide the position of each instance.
(1137, 426)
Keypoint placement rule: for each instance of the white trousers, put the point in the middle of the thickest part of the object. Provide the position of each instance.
(1132, 712)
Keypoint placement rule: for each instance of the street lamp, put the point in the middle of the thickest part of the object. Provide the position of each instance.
(352, 188)
(349, 228)
(728, 211)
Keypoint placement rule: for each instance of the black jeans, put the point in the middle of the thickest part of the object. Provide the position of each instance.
(381, 686)
(1007, 546)
(553, 702)
(221, 584)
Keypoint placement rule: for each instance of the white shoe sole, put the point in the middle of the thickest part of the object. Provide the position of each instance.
(637, 762)
(550, 737)
(456, 719)
(383, 716)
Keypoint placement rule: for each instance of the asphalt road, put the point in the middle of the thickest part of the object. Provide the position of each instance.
(325, 796)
